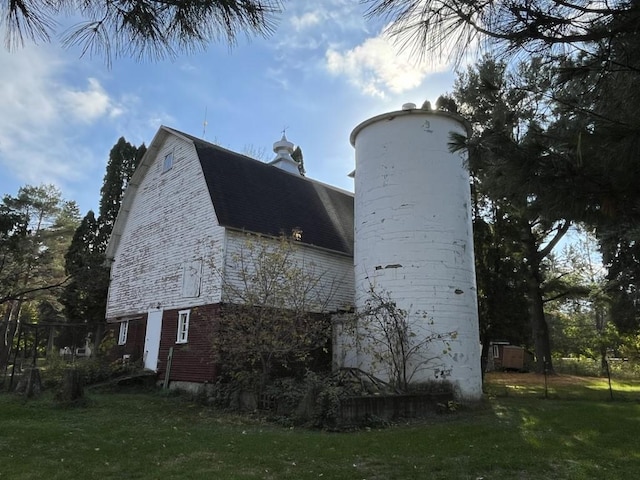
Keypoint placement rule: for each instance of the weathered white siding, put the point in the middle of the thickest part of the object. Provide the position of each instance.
(334, 270)
(414, 238)
(171, 237)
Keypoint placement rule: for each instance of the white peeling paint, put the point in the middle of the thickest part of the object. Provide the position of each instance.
(413, 235)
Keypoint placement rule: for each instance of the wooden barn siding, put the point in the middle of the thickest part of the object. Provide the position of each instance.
(336, 269)
(171, 222)
(193, 361)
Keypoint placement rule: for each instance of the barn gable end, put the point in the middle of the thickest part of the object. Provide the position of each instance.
(168, 237)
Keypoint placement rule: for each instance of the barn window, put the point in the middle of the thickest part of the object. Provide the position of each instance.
(168, 162)
(124, 329)
(496, 351)
(183, 326)
(191, 278)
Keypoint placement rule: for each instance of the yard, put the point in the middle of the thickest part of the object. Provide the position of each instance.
(574, 433)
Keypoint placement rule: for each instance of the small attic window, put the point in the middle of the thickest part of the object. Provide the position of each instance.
(168, 162)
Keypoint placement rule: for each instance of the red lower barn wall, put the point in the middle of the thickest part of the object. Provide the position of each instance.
(135, 340)
(192, 361)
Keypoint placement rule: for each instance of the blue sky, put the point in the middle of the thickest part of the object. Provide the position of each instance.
(323, 71)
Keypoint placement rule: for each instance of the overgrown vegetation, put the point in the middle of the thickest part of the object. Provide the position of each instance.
(312, 400)
(619, 368)
(383, 332)
(91, 371)
(274, 320)
(53, 278)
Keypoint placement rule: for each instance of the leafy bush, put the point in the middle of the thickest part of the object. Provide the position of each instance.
(286, 393)
(314, 400)
(624, 368)
(588, 367)
(222, 393)
(92, 370)
(327, 412)
(324, 395)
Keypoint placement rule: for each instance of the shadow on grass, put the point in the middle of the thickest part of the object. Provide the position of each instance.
(560, 387)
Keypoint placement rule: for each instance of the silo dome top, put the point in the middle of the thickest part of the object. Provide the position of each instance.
(409, 109)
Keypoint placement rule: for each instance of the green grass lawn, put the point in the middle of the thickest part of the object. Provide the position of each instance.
(515, 434)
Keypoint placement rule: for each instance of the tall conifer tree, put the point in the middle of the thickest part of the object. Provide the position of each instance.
(123, 161)
(85, 297)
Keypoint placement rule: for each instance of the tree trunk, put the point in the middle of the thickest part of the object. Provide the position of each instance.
(97, 340)
(539, 327)
(604, 364)
(484, 356)
(51, 331)
(539, 330)
(71, 390)
(30, 384)
(601, 322)
(8, 329)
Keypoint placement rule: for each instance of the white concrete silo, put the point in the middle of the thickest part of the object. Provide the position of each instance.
(413, 239)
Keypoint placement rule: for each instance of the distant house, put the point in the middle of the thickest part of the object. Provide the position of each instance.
(187, 208)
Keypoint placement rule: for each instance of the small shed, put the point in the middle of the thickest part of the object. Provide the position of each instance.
(503, 356)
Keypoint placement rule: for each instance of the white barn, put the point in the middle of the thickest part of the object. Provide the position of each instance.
(187, 208)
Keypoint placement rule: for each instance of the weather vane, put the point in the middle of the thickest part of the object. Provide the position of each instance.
(204, 123)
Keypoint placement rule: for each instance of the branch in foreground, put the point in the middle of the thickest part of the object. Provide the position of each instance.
(22, 293)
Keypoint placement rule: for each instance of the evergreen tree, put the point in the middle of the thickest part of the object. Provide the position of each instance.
(506, 26)
(85, 297)
(508, 159)
(502, 290)
(299, 159)
(601, 132)
(139, 29)
(123, 161)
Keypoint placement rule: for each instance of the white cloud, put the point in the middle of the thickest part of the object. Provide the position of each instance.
(278, 76)
(306, 20)
(90, 104)
(157, 118)
(312, 25)
(378, 67)
(45, 121)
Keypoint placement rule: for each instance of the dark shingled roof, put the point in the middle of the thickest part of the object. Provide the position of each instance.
(250, 195)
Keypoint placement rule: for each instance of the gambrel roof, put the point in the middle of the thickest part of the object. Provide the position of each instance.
(253, 196)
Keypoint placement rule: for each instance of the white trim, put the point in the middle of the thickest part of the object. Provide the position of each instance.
(182, 335)
(123, 333)
(496, 351)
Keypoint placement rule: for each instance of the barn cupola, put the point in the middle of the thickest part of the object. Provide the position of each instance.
(283, 149)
